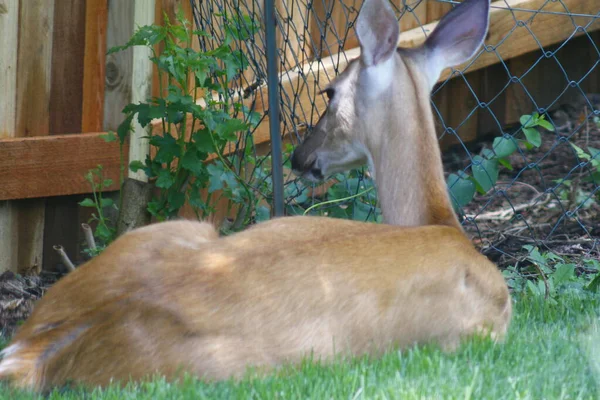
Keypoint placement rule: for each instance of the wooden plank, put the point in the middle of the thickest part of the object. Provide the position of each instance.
(9, 28)
(544, 28)
(456, 101)
(34, 67)
(8, 65)
(66, 108)
(493, 80)
(119, 66)
(72, 156)
(66, 96)
(436, 10)
(36, 24)
(141, 87)
(96, 19)
(415, 13)
(291, 37)
(545, 79)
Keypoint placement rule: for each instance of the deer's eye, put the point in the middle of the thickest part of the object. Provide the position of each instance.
(329, 92)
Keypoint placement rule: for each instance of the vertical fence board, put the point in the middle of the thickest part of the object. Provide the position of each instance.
(36, 21)
(96, 16)
(67, 67)
(66, 101)
(9, 18)
(141, 87)
(119, 66)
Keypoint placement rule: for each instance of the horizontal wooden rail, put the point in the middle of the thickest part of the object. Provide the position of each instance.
(56, 165)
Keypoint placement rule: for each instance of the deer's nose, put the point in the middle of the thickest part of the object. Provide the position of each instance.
(298, 162)
(302, 165)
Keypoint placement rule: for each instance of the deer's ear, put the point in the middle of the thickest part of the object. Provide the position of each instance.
(457, 37)
(377, 30)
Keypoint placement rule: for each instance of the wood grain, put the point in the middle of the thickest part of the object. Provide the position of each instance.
(9, 29)
(119, 66)
(66, 96)
(141, 87)
(96, 19)
(66, 106)
(34, 73)
(28, 174)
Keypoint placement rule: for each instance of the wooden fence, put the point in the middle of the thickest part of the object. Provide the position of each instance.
(60, 92)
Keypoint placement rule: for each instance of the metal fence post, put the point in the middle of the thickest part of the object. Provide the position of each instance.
(273, 86)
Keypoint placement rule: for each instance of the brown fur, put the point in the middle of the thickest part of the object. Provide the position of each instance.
(173, 297)
(260, 298)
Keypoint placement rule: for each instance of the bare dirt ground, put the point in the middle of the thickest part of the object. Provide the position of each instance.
(525, 208)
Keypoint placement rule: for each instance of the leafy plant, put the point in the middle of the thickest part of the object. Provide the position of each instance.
(570, 189)
(485, 166)
(192, 131)
(549, 276)
(104, 233)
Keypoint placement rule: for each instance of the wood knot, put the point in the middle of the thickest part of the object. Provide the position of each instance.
(113, 76)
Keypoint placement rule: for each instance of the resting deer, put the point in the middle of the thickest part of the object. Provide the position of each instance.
(173, 297)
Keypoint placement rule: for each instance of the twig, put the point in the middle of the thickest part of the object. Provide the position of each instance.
(505, 213)
(89, 236)
(518, 183)
(64, 257)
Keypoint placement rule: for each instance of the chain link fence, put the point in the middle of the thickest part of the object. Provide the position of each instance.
(545, 192)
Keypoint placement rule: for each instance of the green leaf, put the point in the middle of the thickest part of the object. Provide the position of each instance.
(533, 136)
(176, 200)
(87, 202)
(594, 152)
(107, 182)
(104, 202)
(485, 172)
(580, 152)
(563, 273)
(528, 145)
(504, 146)
(165, 179)
(124, 128)
(487, 154)
(168, 148)
(215, 171)
(109, 137)
(545, 124)
(594, 284)
(228, 129)
(192, 162)
(461, 188)
(262, 213)
(147, 112)
(527, 121)
(203, 142)
(505, 163)
(136, 165)
(103, 232)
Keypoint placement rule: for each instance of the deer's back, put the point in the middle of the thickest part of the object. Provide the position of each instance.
(263, 297)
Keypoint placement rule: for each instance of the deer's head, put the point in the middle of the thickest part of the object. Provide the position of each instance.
(374, 98)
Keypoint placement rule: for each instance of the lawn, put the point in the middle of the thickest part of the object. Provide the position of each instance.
(551, 352)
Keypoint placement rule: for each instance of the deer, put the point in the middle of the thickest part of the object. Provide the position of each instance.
(174, 297)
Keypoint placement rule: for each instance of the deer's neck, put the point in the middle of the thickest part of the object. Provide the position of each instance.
(408, 165)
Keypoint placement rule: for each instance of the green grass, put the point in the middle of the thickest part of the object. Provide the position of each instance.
(549, 353)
